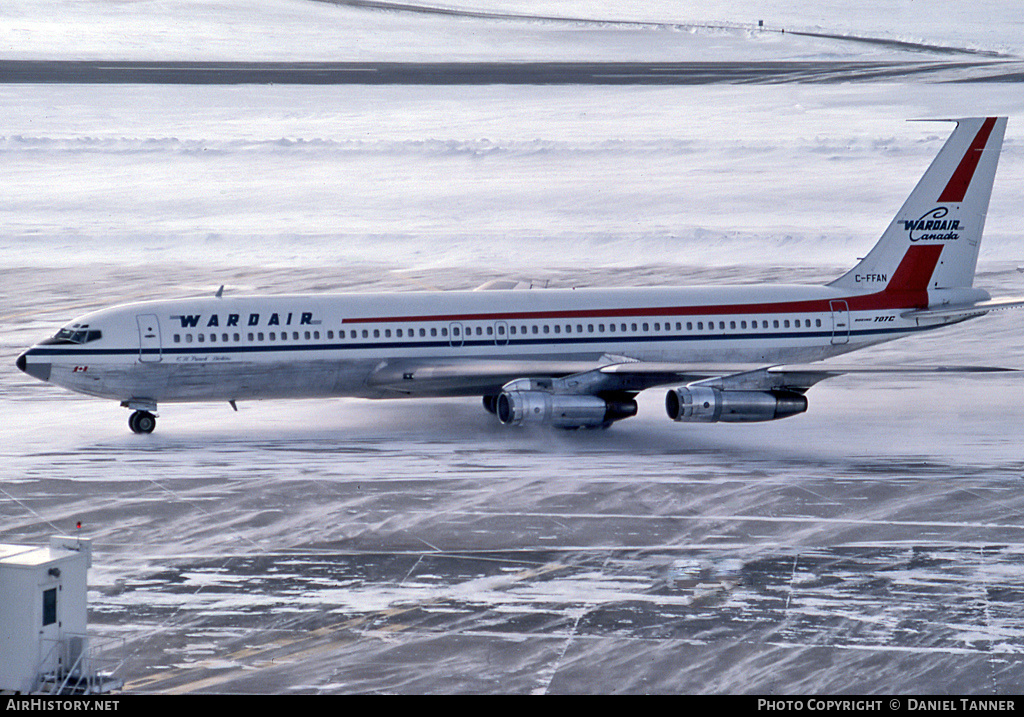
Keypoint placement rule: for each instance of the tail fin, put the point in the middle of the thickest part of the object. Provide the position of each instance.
(933, 241)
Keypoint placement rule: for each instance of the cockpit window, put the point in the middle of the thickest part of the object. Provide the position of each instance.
(75, 336)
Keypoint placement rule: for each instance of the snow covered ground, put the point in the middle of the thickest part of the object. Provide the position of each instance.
(871, 545)
(341, 30)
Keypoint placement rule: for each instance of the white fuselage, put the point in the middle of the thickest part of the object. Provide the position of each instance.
(238, 348)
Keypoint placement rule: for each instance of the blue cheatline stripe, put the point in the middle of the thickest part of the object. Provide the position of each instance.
(548, 339)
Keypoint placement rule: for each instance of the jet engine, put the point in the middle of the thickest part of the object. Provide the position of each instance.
(704, 404)
(518, 408)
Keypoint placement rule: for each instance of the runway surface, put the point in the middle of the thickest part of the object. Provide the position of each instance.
(505, 73)
(874, 545)
(350, 546)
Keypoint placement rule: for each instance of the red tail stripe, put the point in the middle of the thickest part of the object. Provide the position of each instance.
(916, 268)
(961, 179)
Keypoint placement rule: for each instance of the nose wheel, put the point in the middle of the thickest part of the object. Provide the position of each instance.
(142, 422)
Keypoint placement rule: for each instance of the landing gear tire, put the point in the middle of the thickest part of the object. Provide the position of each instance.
(142, 422)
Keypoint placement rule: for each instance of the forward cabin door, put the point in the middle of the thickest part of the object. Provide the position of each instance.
(150, 347)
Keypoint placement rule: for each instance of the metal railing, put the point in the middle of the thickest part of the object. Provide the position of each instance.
(86, 664)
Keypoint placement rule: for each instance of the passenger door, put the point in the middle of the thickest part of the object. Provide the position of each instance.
(150, 347)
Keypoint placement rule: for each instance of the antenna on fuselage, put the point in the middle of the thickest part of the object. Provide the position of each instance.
(220, 292)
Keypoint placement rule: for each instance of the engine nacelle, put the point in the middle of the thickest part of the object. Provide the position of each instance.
(517, 408)
(703, 404)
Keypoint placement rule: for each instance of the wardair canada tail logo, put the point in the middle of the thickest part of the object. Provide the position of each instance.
(933, 226)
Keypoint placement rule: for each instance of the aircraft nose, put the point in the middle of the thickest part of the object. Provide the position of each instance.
(38, 370)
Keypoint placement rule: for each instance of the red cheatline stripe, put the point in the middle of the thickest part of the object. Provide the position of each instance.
(961, 179)
(903, 298)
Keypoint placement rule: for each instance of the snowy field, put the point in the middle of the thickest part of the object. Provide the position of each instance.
(874, 544)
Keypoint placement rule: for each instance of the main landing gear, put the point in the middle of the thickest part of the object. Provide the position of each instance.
(142, 422)
(143, 418)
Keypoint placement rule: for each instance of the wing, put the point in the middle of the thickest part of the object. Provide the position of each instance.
(614, 374)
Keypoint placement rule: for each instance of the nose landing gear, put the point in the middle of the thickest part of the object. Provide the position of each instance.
(142, 422)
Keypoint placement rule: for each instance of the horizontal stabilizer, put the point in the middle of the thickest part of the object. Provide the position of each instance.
(967, 310)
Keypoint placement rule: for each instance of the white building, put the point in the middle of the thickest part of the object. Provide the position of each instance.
(43, 616)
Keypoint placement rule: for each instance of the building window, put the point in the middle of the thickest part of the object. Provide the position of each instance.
(49, 606)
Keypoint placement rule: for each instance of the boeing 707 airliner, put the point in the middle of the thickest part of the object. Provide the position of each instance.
(573, 358)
